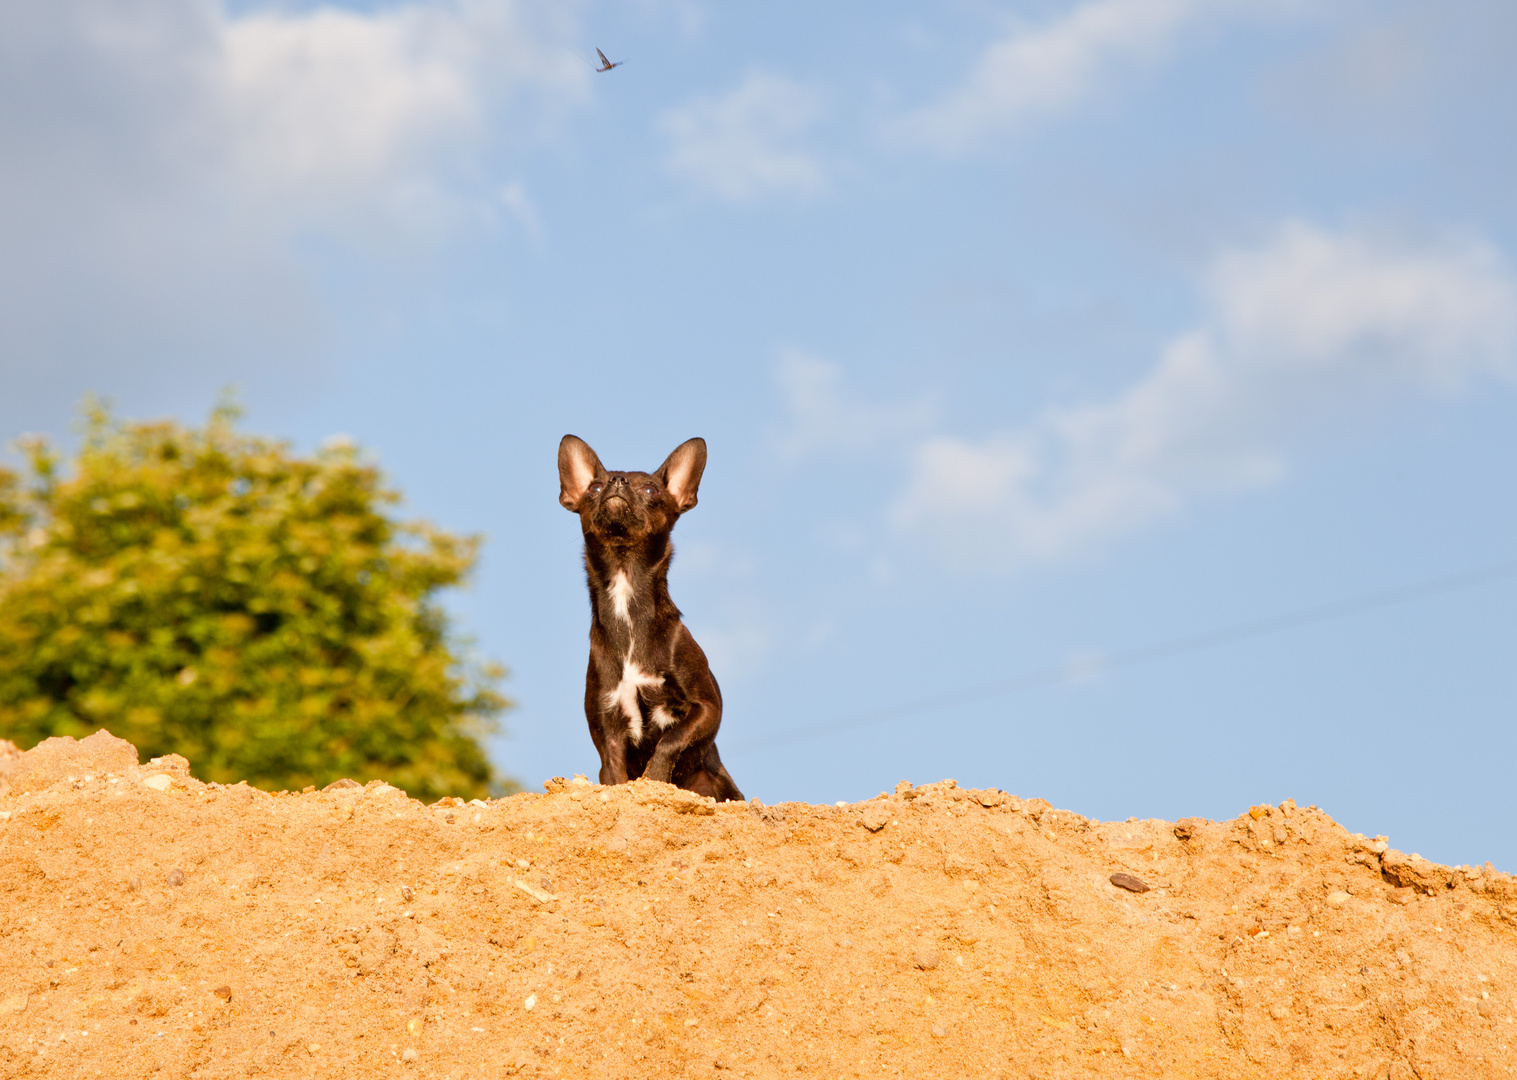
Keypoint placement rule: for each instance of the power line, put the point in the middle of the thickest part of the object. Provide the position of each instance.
(1144, 654)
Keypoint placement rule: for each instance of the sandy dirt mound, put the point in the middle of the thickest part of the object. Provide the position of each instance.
(152, 925)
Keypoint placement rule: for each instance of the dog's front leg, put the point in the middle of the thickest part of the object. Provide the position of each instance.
(700, 722)
(613, 758)
(606, 729)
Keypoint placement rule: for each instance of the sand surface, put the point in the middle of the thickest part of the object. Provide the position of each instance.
(152, 925)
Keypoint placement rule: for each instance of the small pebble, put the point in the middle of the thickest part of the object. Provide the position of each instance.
(875, 817)
(406, 893)
(414, 1026)
(530, 1003)
(1337, 899)
(1128, 882)
(408, 1054)
(223, 992)
(939, 1031)
(926, 959)
(314, 1047)
(159, 782)
(175, 877)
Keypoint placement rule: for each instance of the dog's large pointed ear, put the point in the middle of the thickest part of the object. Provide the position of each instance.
(578, 468)
(681, 472)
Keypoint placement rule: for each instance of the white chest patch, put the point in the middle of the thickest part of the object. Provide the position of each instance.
(621, 596)
(662, 717)
(624, 696)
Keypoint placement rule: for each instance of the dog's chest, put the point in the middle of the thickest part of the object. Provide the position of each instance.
(619, 598)
(621, 611)
(633, 673)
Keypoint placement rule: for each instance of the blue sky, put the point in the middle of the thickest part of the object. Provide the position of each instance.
(1022, 335)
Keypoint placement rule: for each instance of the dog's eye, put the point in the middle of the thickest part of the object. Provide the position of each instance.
(595, 489)
(650, 490)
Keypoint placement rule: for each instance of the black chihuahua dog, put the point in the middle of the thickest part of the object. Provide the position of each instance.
(650, 698)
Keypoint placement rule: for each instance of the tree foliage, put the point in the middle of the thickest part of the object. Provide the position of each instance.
(210, 593)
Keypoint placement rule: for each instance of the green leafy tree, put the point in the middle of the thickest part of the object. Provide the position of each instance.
(210, 593)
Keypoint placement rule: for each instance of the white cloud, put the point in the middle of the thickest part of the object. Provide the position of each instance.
(1360, 308)
(326, 99)
(1301, 332)
(161, 160)
(1042, 69)
(745, 146)
(823, 413)
(334, 97)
